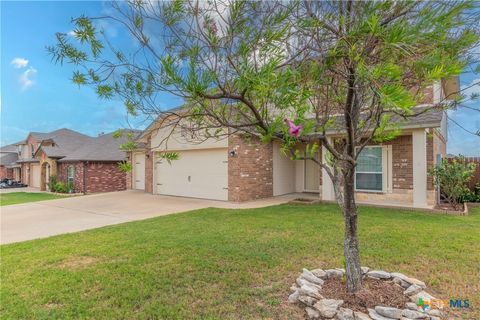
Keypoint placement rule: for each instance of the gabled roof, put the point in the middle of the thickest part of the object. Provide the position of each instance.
(423, 116)
(103, 148)
(11, 148)
(65, 142)
(9, 158)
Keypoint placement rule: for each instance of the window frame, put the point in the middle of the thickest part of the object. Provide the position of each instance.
(68, 174)
(383, 173)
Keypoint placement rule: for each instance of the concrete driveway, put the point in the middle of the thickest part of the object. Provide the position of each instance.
(47, 218)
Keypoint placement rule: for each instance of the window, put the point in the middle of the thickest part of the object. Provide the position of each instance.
(369, 170)
(33, 150)
(71, 174)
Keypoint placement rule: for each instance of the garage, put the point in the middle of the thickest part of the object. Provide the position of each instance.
(139, 171)
(197, 173)
(35, 175)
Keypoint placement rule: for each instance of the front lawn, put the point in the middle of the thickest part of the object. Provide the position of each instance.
(228, 264)
(24, 197)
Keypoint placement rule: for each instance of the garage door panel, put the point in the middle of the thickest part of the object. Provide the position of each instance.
(197, 173)
(139, 171)
(35, 176)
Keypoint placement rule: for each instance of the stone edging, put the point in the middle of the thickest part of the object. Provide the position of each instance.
(307, 288)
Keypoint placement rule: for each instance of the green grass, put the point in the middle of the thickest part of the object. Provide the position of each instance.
(227, 264)
(7, 199)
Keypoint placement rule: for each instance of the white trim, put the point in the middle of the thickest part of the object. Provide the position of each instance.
(387, 171)
(419, 146)
(328, 192)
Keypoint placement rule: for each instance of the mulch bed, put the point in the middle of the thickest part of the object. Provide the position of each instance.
(374, 293)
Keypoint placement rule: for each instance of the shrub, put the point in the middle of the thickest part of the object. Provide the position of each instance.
(70, 187)
(60, 187)
(470, 196)
(52, 182)
(125, 166)
(452, 177)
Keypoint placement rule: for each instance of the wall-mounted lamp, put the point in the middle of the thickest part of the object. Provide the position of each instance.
(147, 155)
(232, 153)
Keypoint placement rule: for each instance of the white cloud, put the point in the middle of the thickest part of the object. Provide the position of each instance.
(19, 63)
(26, 78)
(72, 33)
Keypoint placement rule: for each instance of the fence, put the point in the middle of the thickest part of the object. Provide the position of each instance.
(476, 176)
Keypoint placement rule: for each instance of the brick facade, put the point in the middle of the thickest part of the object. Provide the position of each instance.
(250, 171)
(93, 177)
(6, 173)
(402, 162)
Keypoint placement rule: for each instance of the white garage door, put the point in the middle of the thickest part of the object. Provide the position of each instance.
(139, 171)
(197, 173)
(35, 175)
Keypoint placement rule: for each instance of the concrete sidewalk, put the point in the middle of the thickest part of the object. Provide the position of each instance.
(47, 218)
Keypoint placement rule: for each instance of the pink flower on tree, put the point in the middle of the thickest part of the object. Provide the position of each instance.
(293, 129)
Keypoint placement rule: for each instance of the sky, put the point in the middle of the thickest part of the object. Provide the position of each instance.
(38, 95)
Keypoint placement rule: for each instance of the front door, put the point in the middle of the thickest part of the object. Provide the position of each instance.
(312, 176)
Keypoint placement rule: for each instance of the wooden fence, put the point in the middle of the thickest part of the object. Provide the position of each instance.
(476, 177)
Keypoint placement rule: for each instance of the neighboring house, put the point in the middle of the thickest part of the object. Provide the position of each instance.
(234, 169)
(90, 163)
(8, 167)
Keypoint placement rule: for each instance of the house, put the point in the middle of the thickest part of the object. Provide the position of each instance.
(90, 163)
(235, 169)
(8, 167)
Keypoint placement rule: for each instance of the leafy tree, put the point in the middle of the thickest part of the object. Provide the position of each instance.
(244, 67)
(452, 176)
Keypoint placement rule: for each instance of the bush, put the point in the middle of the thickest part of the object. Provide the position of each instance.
(60, 187)
(70, 187)
(470, 196)
(52, 182)
(452, 177)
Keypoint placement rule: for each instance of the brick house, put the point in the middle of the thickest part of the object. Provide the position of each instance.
(236, 169)
(90, 163)
(8, 158)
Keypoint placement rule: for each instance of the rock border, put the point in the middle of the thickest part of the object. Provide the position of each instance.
(306, 292)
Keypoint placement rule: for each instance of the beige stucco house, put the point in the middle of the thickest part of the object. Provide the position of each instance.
(235, 169)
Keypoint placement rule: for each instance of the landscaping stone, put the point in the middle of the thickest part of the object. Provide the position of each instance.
(410, 314)
(361, 316)
(310, 290)
(334, 273)
(307, 291)
(328, 307)
(312, 313)
(413, 289)
(417, 282)
(411, 306)
(379, 274)
(422, 294)
(293, 298)
(344, 314)
(319, 273)
(310, 277)
(404, 284)
(435, 312)
(375, 316)
(400, 276)
(301, 281)
(389, 312)
(307, 300)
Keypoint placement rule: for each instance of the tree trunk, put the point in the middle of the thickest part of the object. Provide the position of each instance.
(350, 246)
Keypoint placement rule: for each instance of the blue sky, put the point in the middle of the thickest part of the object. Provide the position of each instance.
(37, 95)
